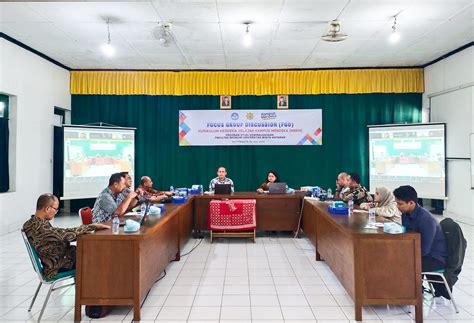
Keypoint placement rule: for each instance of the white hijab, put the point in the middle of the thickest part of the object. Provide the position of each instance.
(385, 196)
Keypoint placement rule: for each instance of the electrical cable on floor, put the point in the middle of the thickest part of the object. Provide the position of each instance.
(299, 227)
(197, 245)
(146, 296)
(299, 220)
(164, 271)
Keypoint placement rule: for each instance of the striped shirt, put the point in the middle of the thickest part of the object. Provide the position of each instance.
(216, 180)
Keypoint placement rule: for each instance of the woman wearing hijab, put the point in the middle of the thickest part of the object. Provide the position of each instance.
(384, 204)
(272, 177)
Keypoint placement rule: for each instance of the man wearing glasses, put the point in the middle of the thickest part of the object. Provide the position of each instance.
(53, 244)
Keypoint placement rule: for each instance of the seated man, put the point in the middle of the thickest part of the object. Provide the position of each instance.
(53, 244)
(108, 202)
(221, 179)
(128, 184)
(356, 192)
(127, 190)
(434, 250)
(342, 185)
(146, 191)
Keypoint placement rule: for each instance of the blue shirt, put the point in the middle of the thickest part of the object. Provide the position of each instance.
(433, 242)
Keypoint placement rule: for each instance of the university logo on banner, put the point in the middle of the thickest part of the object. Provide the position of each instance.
(250, 127)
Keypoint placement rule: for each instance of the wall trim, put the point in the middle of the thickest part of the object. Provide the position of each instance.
(34, 51)
(55, 62)
(451, 53)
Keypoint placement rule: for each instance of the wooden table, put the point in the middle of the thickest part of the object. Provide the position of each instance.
(275, 212)
(120, 269)
(374, 267)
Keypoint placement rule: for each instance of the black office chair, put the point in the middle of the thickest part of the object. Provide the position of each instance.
(456, 244)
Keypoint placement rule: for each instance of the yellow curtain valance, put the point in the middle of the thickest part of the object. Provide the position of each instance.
(351, 81)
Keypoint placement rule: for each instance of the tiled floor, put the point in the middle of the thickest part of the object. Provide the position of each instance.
(275, 279)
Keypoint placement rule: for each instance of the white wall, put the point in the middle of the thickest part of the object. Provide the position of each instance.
(38, 86)
(455, 75)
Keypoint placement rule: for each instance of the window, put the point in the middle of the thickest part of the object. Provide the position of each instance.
(4, 138)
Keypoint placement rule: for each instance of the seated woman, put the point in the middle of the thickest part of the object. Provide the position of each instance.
(272, 177)
(384, 204)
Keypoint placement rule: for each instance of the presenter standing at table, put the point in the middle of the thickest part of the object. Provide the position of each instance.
(272, 177)
(221, 179)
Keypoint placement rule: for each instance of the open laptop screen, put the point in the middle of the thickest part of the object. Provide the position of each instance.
(222, 189)
(277, 188)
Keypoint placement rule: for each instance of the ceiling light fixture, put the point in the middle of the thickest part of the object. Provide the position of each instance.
(108, 49)
(395, 35)
(247, 41)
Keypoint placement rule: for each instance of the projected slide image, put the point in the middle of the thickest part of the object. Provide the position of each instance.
(91, 155)
(419, 156)
(408, 155)
(96, 156)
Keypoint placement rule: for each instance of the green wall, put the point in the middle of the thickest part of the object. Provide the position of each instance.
(345, 137)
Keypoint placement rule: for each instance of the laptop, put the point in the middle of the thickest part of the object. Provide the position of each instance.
(277, 188)
(140, 219)
(222, 189)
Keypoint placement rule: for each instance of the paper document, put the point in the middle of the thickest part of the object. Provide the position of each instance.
(132, 214)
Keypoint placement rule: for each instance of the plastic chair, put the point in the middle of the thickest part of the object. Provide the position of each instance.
(85, 214)
(439, 273)
(38, 268)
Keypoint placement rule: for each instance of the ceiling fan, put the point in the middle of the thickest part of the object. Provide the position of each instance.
(334, 33)
(163, 34)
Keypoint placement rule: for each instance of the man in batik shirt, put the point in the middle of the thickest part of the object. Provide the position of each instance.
(146, 191)
(356, 192)
(53, 244)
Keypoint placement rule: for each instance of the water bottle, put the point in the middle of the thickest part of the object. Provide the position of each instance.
(201, 189)
(351, 206)
(143, 209)
(115, 224)
(329, 193)
(371, 217)
(172, 189)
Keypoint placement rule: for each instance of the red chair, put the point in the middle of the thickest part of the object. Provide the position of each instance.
(85, 214)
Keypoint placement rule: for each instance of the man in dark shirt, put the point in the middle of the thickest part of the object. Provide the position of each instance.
(433, 243)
